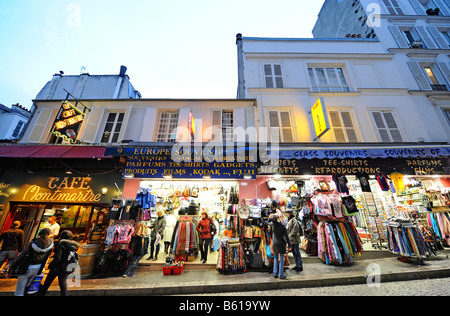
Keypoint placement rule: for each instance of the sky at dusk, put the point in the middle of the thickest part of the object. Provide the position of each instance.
(172, 48)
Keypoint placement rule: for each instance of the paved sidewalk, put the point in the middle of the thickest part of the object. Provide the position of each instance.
(315, 274)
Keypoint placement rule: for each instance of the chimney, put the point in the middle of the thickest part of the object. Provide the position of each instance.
(123, 70)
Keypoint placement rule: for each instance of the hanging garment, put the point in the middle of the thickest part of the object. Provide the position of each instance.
(341, 182)
(397, 178)
(382, 181)
(364, 181)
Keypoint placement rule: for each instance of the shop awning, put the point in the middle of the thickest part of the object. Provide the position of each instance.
(52, 151)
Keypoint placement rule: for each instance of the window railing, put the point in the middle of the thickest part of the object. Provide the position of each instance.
(439, 87)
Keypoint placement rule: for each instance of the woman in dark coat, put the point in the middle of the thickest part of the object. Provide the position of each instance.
(279, 240)
(58, 267)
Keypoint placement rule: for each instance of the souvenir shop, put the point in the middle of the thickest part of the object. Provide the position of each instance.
(348, 205)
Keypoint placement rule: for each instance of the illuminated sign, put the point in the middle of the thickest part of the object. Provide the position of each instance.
(320, 118)
(68, 122)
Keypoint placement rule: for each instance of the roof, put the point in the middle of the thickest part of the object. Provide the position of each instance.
(52, 151)
(88, 87)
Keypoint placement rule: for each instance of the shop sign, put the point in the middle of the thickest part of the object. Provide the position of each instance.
(51, 188)
(320, 118)
(159, 163)
(411, 166)
(68, 122)
(365, 153)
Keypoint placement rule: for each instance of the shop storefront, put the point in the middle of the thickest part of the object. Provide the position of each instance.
(77, 202)
(353, 192)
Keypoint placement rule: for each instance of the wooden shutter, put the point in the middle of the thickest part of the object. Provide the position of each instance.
(278, 76)
(41, 126)
(426, 39)
(445, 71)
(274, 126)
(398, 36)
(343, 128)
(442, 7)
(216, 132)
(392, 127)
(418, 7)
(387, 127)
(93, 124)
(442, 42)
(419, 75)
(268, 76)
(286, 127)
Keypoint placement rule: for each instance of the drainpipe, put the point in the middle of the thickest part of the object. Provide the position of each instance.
(240, 59)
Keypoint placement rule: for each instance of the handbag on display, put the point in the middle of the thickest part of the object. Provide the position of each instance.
(244, 210)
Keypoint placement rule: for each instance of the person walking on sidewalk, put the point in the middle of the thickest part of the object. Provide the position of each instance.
(204, 229)
(32, 260)
(60, 266)
(278, 246)
(294, 233)
(157, 235)
(12, 243)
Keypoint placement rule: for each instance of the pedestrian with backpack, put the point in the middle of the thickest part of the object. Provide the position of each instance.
(64, 263)
(31, 261)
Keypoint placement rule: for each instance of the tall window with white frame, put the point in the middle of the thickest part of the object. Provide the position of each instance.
(280, 126)
(343, 127)
(273, 77)
(113, 126)
(447, 115)
(222, 120)
(327, 79)
(387, 127)
(166, 130)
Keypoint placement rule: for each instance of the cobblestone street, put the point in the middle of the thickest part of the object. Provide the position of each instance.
(428, 287)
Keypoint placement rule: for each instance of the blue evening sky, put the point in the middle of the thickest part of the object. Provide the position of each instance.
(172, 48)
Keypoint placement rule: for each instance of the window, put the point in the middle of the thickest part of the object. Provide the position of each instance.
(387, 127)
(272, 76)
(113, 127)
(342, 125)
(446, 35)
(393, 7)
(223, 120)
(280, 126)
(328, 80)
(166, 130)
(17, 131)
(413, 38)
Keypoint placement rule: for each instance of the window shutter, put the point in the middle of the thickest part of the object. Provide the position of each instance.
(216, 132)
(418, 74)
(278, 76)
(418, 7)
(438, 37)
(389, 6)
(382, 130)
(286, 127)
(393, 128)
(349, 128)
(445, 71)
(93, 123)
(268, 75)
(442, 7)
(41, 126)
(337, 127)
(426, 39)
(397, 34)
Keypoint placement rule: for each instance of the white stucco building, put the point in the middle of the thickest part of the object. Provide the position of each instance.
(13, 122)
(375, 91)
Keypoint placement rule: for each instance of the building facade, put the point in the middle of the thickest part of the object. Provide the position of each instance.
(13, 122)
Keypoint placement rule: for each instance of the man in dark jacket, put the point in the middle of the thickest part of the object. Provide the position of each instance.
(279, 240)
(59, 266)
(12, 243)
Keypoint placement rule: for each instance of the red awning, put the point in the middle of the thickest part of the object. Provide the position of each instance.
(52, 151)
